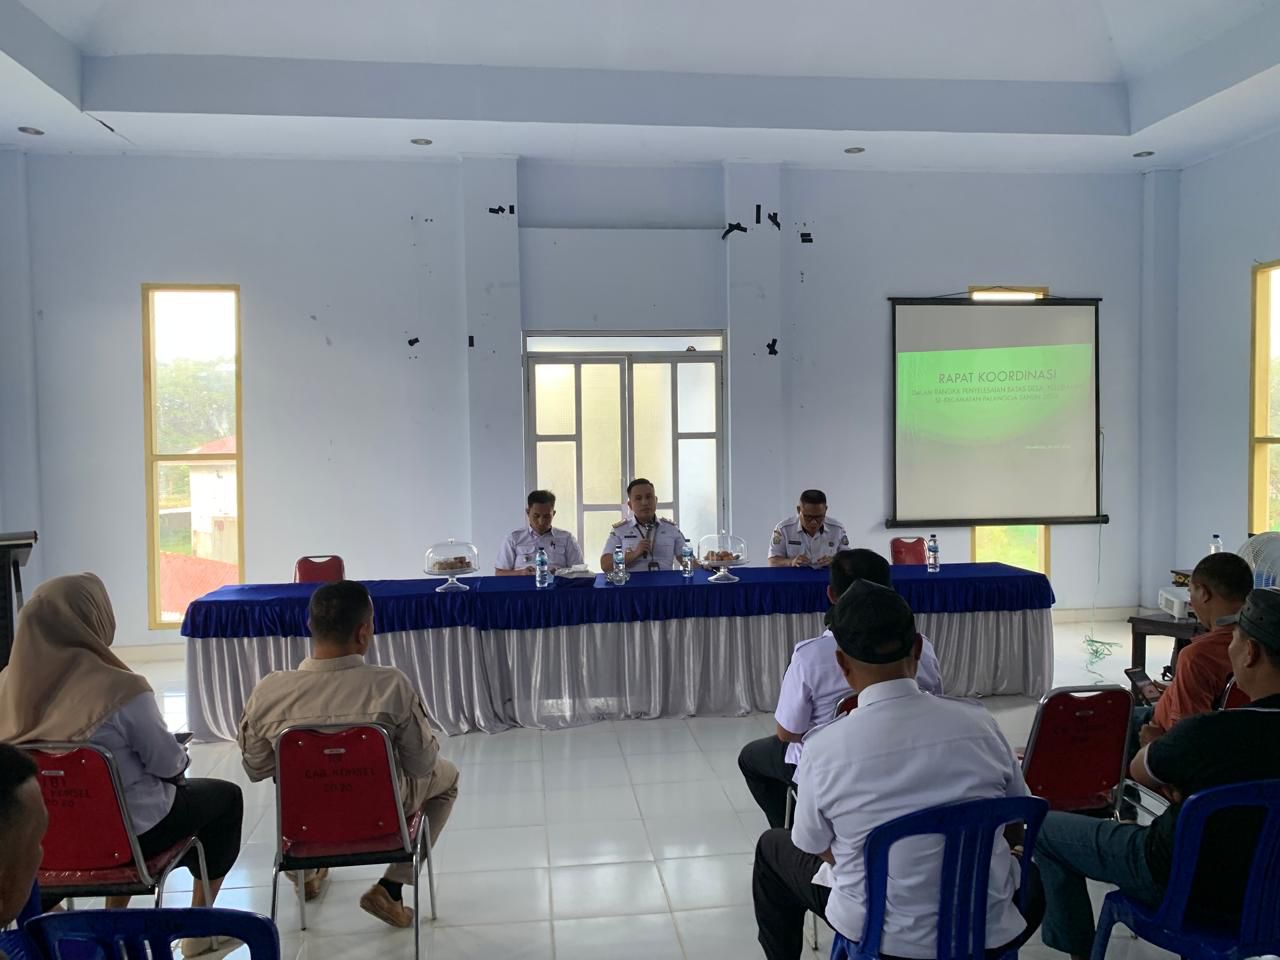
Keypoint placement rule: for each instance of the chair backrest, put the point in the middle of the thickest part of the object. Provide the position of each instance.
(326, 569)
(969, 831)
(137, 930)
(337, 785)
(89, 825)
(846, 705)
(1078, 744)
(907, 550)
(1259, 919)
(1232, 696)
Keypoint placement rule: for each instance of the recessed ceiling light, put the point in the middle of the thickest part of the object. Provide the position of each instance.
(31, 131)
(853, 150)
(1145, 153)
(420, 142)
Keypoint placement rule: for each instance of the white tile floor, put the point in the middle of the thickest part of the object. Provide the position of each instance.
(627, 839)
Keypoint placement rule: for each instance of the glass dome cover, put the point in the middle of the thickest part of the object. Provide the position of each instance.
(452, 559)
(722, 550)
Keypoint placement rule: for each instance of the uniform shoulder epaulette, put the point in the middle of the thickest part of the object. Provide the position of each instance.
(620, 523)
(670, 523)
(517, 532)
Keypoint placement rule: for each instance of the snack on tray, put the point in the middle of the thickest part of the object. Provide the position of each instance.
(721, 556)
(447, 564)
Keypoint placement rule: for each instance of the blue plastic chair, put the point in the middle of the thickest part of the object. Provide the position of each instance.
(969, 831)
(1167, 925)
(126, 934)
(14, 943)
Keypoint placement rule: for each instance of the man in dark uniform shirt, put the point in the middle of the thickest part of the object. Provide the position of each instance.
(1209, 750)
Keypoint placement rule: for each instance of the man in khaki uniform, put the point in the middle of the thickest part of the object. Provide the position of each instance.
(335, 685)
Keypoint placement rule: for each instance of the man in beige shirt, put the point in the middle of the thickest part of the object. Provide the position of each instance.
(335, 685)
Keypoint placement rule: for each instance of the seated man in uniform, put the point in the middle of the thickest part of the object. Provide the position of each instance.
(335, 685)
(515, 556)
(1209, 750)
(649, 542)
(900, 752)
(1219, 584)
(23, 821)
(812, 687)
(810, 538)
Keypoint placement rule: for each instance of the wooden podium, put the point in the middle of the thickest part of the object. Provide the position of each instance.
(15, 548)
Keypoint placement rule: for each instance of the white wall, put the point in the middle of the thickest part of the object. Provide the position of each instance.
(1230, 219)
(351, 437)
(357, 443)
(880, 235)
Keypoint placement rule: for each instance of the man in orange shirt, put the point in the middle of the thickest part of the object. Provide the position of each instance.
(1219, 585)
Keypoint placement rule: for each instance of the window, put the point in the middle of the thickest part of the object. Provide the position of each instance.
(195, 485)
(603, 410)
(1264, 450)
(1021, 546)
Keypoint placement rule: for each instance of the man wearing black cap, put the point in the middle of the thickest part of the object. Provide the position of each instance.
(1209, 750)
(901, 751)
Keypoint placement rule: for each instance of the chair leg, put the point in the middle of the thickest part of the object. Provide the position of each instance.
(1106, 921)
(204, 874)
(302, 899)
(431, 879)
(160, 888)
(417, 910)
(275, 890)
(811, 930)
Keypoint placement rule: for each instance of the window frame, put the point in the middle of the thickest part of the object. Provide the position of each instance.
(626, 362)
(1260, 442)
(152, 460)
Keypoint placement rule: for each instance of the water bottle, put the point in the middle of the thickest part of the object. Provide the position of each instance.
(1215, 544)
(542, 577)
(619, 574)
(935, 564)
(686, 562)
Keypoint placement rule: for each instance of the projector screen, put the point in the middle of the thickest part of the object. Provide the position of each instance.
(996, 412)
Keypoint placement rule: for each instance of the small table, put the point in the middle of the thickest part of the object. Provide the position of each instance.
(1160, 625)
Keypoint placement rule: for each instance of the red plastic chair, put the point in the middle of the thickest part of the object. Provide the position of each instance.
(327, 569)
(1076, 755)
(338, 805)
(907, 550)
(91, 848)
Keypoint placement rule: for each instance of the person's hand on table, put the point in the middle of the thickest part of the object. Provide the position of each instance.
(822, 562)
(529, 570)
(801, 561)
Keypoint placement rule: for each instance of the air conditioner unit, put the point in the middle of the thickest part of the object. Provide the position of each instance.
(1176, 601)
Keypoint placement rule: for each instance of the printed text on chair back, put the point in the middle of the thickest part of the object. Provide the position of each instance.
(86, 824)
(336, 787)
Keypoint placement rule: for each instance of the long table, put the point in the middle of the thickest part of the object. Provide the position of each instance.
(505, 654)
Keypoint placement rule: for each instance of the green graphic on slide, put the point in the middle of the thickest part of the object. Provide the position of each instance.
(991, 395)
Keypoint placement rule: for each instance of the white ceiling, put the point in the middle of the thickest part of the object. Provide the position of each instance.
(912, 48)
(1057, 40)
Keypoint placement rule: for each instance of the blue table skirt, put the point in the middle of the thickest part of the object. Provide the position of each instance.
(512, 603)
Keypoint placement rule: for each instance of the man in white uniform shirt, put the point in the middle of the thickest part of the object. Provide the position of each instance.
(810, 538)
(649, 542)
(900, 752)
(812, 687)
(515, 556)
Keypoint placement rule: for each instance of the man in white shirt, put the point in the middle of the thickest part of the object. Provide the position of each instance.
(812, 687)
(516, 555)
(810, 538)
(648, 542)
(901, 751)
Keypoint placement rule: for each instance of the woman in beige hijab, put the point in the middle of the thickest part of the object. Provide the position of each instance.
(64, 683)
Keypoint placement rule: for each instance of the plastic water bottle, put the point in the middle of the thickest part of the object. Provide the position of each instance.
(542, 577)
(1215, 544)
(619, 574)
(931, 553)
(686, 562)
